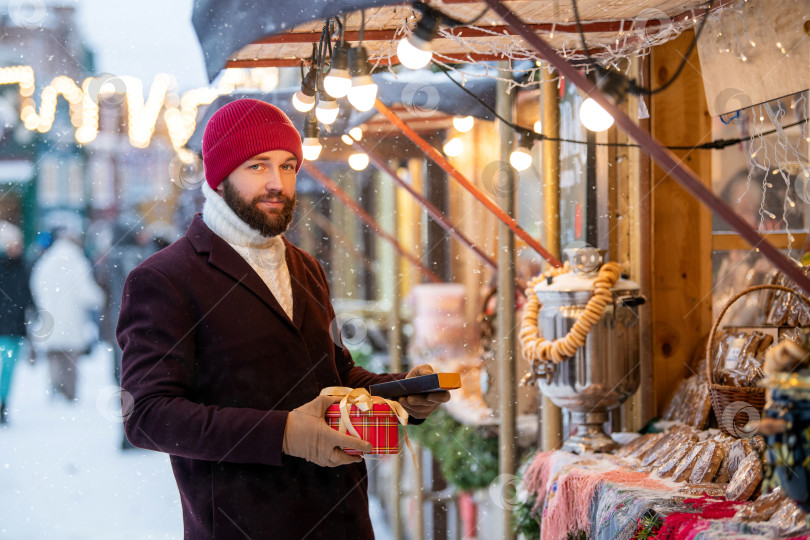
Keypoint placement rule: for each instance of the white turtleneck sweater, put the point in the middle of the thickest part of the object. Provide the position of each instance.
(265, 255)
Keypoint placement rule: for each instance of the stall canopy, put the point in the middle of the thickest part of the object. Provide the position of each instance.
(239, 33)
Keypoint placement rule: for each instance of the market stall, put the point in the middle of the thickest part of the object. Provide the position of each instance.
(613, 337)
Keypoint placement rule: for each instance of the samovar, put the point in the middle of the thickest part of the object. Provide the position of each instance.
(604, 372)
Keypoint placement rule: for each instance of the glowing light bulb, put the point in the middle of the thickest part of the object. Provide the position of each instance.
(358, 162)
(302, 102)
(594, 117)
(454, 147)
(538, 127)
(520, 159)
(363, 93)
(338, 81)
(327, 110)
(356, 133)
(413, 52)
(346, 139)
(311, 148)
(463, 124)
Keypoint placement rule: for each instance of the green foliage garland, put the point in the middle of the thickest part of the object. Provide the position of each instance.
(468, 458)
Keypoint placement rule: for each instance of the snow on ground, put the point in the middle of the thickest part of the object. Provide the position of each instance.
(64, 476)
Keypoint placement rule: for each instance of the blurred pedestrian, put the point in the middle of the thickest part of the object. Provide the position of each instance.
(15, 297)
(132, 243)
(65, 293)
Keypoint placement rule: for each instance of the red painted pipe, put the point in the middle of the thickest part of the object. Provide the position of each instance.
(440, 160)
(665, 159)
(333, 188)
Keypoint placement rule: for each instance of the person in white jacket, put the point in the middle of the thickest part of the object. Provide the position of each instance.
(64, 292)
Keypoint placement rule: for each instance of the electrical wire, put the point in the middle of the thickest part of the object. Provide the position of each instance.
(636, 88)
(717, 144)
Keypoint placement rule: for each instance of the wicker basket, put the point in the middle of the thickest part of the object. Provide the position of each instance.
(735, 399)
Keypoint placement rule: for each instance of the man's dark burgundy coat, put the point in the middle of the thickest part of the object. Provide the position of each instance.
(213, 365)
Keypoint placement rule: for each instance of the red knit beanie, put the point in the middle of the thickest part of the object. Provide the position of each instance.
(242, 129)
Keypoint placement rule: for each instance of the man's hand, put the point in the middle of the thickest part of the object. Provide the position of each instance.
(308, 436)
(423, 405)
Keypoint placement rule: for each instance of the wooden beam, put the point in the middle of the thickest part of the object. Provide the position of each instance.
(731, 241)
(589, 27)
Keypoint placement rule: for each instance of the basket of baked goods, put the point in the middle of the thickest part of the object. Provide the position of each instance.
(734, 359)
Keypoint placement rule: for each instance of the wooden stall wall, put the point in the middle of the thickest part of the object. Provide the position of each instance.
(681, 226)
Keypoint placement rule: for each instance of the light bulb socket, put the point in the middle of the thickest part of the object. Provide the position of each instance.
(613, 84)
(427, 28)
(340, 57)
(358, 61)
(311, 130)
(309, 84)
(526, 140)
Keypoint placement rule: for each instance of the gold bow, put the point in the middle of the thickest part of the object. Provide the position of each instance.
(360, 398)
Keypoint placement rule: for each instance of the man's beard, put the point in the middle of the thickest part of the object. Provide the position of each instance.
(248, 211)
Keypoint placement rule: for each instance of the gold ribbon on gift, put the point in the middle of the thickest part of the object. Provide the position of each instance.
(360, 398)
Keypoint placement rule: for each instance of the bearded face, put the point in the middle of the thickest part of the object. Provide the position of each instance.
(269, 213)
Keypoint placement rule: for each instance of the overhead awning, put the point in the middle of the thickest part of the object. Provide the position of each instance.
(239, 33)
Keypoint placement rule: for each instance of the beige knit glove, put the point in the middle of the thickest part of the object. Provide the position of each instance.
(308, 436)
(423, 405)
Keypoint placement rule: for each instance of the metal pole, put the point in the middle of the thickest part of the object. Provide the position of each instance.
(440, 160)
(507, 436)
(395, 364)
(551, 416)
(327, 182)
(665, 159)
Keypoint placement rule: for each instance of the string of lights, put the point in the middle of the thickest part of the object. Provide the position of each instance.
(717, 144)
(179, 112)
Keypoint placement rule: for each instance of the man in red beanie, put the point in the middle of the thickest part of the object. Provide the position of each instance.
(226, 346)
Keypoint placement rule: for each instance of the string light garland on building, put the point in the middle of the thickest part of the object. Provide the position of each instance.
(179, 112)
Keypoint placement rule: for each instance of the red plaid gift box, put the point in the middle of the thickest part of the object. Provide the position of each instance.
(379, 426)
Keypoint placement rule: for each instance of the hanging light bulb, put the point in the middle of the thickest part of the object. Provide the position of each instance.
(594, 117)
(327, 109)
(463, 124)
(615, 85)
(304, 99)
(363, 92)
(454, 147)
(521, 157)
(358, 162)
(338, 81)
(356, 133)
(538, 127)
(311, 146)
(414, 51)
(346, 140)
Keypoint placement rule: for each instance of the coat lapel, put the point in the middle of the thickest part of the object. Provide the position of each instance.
(225, 258)
(298, 281)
